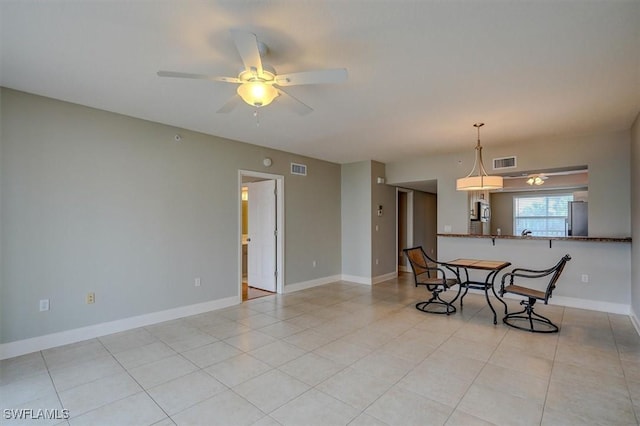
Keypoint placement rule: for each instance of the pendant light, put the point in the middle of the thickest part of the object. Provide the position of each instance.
(480, 180)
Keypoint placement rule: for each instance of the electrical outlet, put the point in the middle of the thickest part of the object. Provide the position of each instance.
(585, 278)
(91, 298)
(377, 261)
(44, 305)
(196, 282)
(315, 263)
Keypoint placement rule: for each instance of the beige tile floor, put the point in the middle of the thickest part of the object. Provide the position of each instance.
(335, 355)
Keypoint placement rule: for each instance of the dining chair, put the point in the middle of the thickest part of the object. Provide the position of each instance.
(533, 321)
(426, 272)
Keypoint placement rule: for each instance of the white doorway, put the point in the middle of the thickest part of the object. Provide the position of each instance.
(262, 235)
(404, 226)
(261, 232)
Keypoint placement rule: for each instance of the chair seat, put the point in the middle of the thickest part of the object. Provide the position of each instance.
(524, 291)
(449, 282)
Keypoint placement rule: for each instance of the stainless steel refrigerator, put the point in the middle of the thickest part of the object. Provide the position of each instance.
(577, 221)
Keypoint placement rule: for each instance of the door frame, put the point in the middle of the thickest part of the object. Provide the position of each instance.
(408, 219)
(279, 223)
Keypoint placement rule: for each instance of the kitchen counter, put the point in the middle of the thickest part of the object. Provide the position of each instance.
(515, 237)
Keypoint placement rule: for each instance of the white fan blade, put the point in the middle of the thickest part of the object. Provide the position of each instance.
(197, 76)
(230, 105)
(247, 45)
(312, 77)
(293, 103)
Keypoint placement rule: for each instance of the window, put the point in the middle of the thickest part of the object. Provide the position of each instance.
(543, 215)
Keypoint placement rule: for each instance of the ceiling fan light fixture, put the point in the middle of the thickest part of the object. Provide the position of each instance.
(256, 80)
(257, 93)
(536, 180)
(480, 181)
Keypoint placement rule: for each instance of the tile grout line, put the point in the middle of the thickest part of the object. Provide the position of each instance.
(134, 379)
(53, 383)
(406, 374)
(553, 367)
(477, 374)
(624, 373)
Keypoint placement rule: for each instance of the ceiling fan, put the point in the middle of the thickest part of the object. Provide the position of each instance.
(259, 84)
(537, 179)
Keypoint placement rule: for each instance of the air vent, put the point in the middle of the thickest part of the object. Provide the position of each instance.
(504, 163)
(298, 169)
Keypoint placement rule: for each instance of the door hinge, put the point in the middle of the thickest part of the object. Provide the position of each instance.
(275, 232)
(275, 273)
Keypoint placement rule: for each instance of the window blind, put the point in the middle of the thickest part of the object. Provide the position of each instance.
(543, 215)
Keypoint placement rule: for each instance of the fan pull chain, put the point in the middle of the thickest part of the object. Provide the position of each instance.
(255, 114)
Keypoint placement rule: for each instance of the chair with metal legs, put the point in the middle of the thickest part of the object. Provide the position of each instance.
(426, 272)
(528, 319)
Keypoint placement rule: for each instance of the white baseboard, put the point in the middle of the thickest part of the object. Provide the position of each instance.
(572, 302)
(289, 288)
(369, 280)
(356, 279)
(34, 344)
(402, 268)
(634, 321)
(592, 305)
(385, 277)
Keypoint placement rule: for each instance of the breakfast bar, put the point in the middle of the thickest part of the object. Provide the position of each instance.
(598, 277)
(493, 238)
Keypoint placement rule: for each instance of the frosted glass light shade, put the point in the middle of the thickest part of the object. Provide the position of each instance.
(257, 93)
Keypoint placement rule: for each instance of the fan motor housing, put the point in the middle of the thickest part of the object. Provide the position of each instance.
(268, 75)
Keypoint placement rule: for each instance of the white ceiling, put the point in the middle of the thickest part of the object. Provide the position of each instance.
(420, 72)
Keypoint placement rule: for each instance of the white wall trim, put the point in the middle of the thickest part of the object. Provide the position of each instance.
(290, 288)
(385, 277)
(572, 302)
(592, 305)
(34, 344)
(634, 321)
(356, 279)
(402, 268)
(369, 280)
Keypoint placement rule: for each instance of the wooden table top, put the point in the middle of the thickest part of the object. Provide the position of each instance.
(489, 265)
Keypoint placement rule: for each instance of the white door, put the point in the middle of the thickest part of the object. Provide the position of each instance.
(261, 248)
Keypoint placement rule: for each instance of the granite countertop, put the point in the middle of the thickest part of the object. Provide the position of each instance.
(515, 237)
